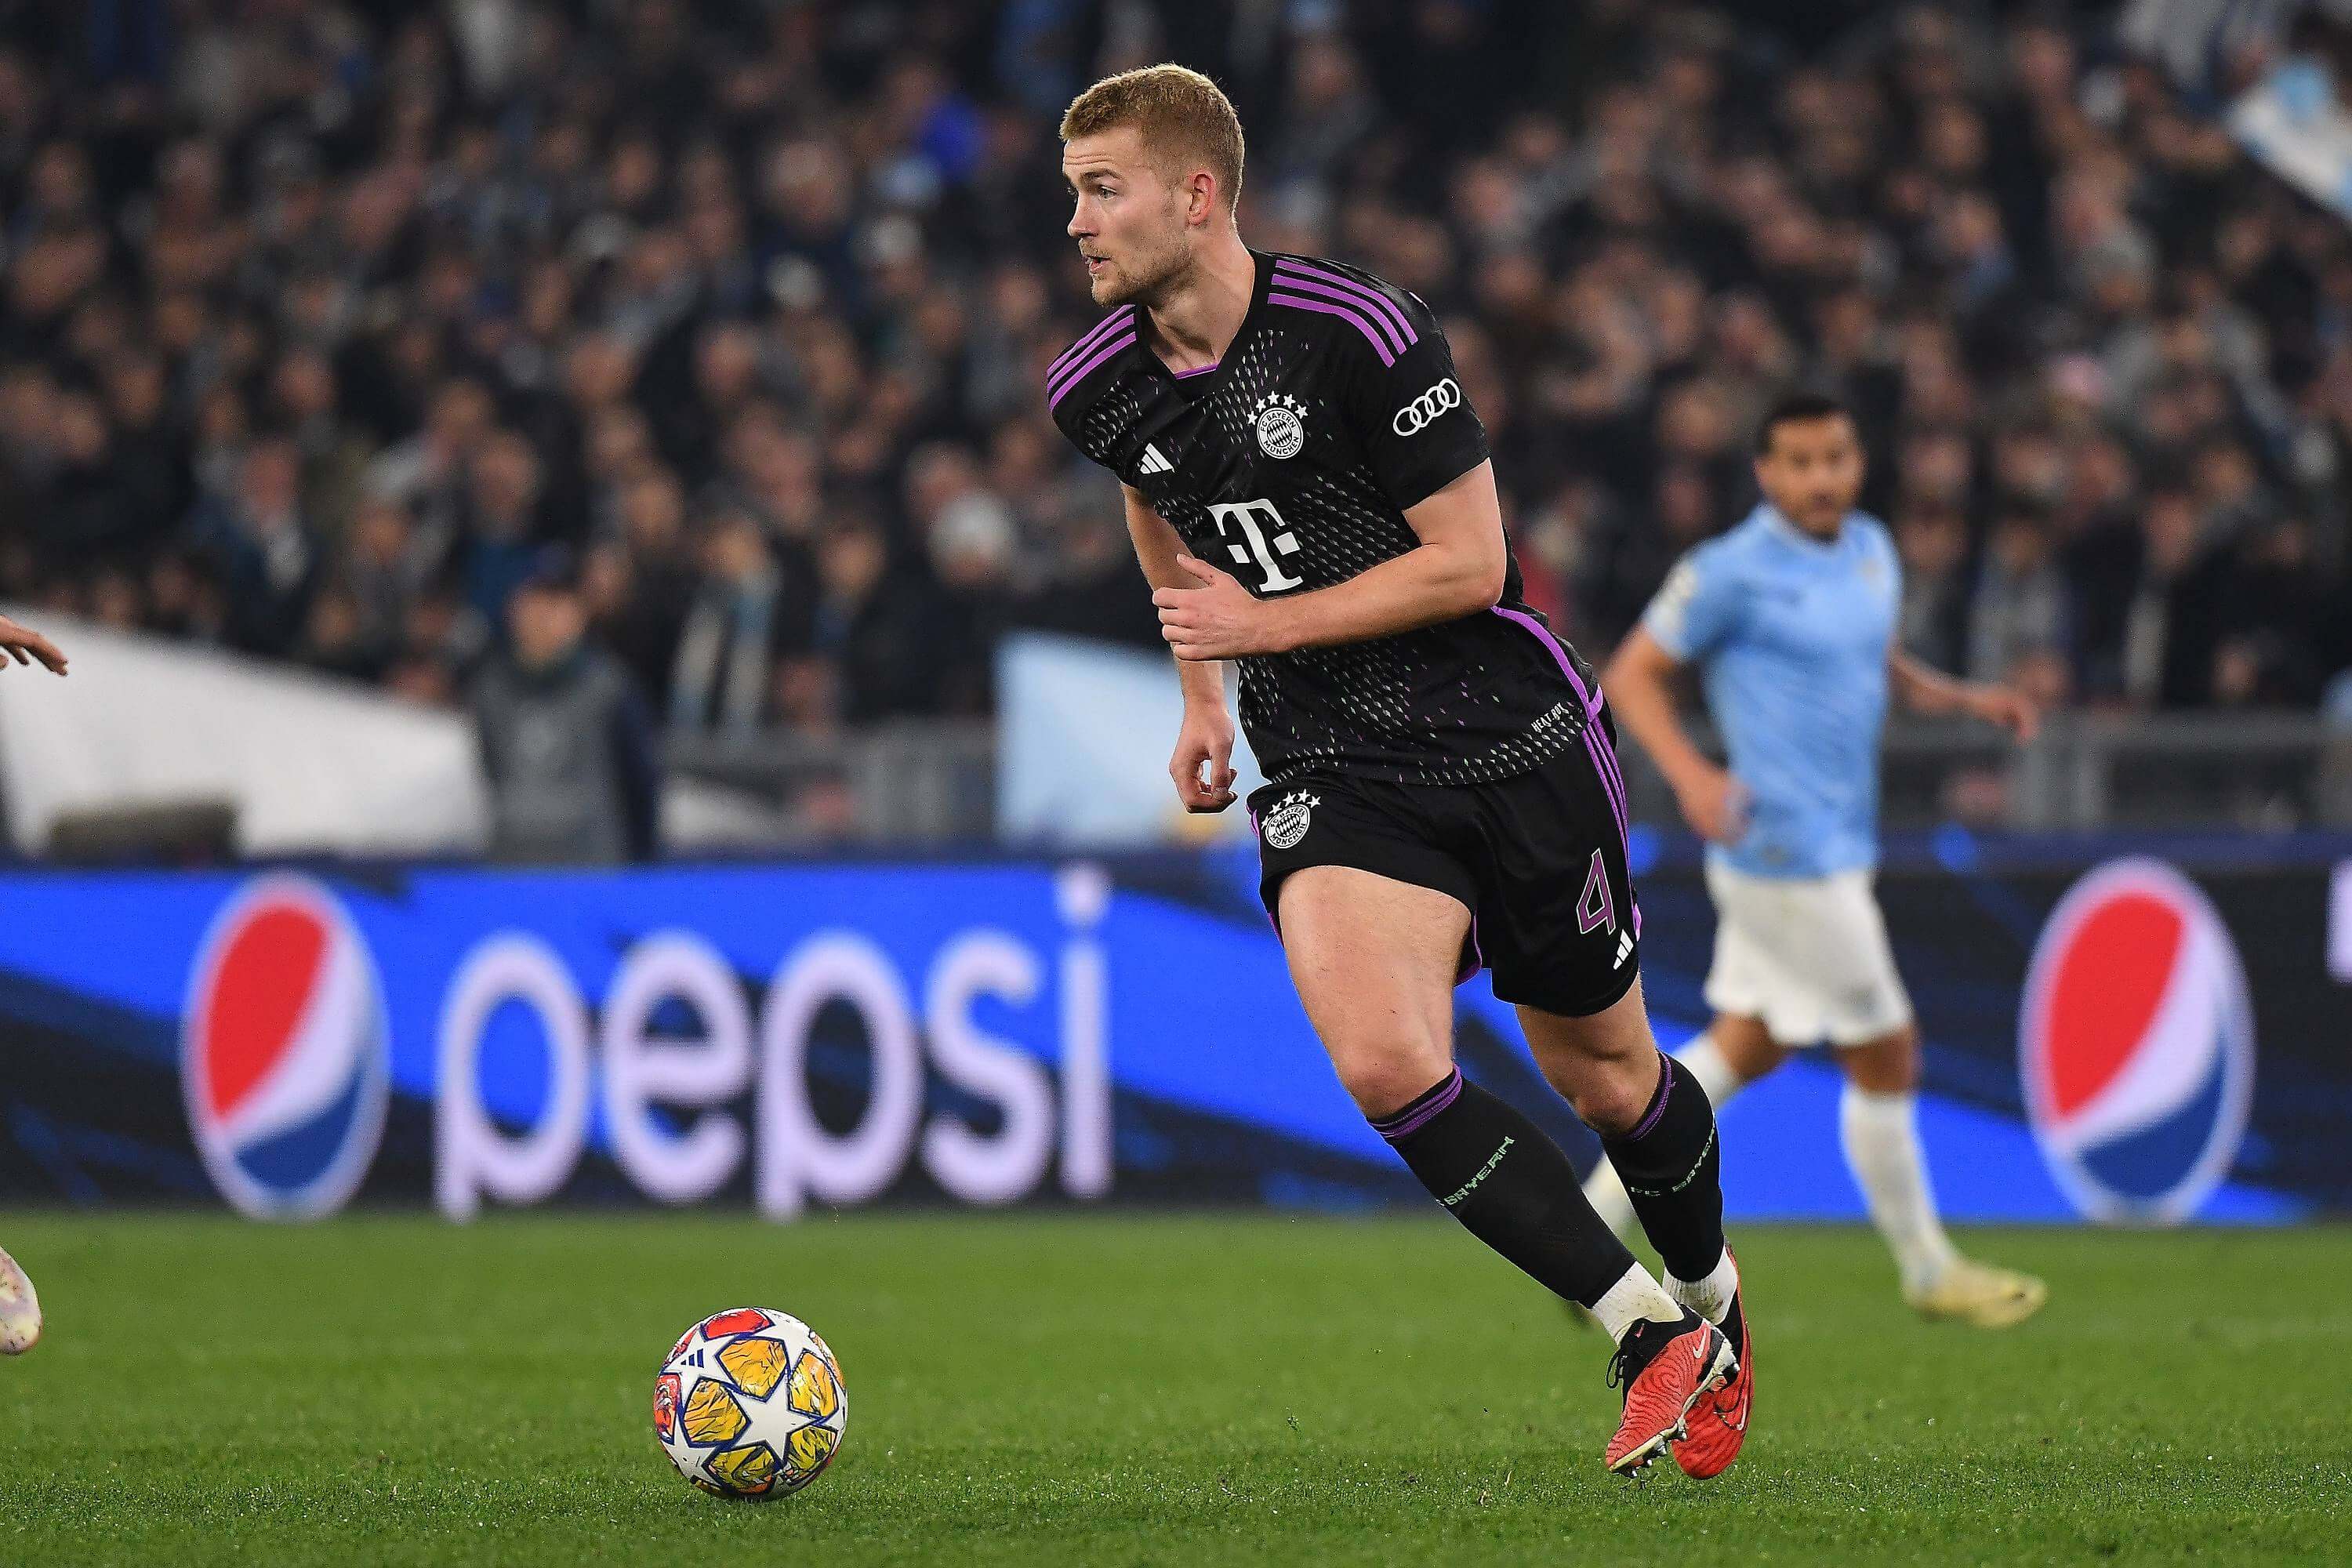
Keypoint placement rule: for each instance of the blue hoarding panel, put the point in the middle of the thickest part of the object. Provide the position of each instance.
(2105, 1036)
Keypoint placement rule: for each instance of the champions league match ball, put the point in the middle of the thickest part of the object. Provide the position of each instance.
(751, 1404)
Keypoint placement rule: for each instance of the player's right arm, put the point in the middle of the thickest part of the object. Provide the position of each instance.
(1690, 617)
(1639, 686)
(1202, 767)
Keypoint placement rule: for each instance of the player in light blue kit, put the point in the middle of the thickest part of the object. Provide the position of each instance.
(1791, 618)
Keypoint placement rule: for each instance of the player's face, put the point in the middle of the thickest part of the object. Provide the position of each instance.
(1813, 471)
(1128, 221)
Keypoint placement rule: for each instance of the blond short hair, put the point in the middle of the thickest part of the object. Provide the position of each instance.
(1183, 116)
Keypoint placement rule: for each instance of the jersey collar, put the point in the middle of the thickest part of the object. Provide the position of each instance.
(1779, 524)
(1195, 381)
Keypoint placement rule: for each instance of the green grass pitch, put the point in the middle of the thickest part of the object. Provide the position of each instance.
(1159, 1390)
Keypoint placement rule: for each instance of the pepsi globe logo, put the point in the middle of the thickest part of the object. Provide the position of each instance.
(2137, 1044)
(283, 1051)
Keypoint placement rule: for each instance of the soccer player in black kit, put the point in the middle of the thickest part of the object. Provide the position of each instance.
(1308, 490)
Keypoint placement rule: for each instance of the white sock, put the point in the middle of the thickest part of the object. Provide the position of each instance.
(1713, 1069)
(1710, 1298)
(1604, 1190)
(1606, 1193)
(1634, 1297)
(1882, 1146)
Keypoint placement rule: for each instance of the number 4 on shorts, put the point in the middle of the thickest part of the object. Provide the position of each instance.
(1595, 908)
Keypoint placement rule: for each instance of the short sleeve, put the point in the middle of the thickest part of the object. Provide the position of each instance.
(1696, 609)
(1419, 432)
(1894, 560)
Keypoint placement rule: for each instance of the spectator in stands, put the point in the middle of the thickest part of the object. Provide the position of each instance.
(2019, 626)
(500, 526)
(875, 629)
(2151, 604)
(1932, 540)
(636, 266)
(565, 740)
(261, 547)
(751, 612)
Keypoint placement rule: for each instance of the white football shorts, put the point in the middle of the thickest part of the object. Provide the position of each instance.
(1807, 955)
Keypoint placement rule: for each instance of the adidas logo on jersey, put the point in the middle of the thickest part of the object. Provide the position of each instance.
(1154, 462)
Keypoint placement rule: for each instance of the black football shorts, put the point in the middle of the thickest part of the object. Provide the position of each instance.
(1538, 859)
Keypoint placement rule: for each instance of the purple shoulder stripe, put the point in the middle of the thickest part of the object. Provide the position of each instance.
(1346, 313)
(1101, 330)
(1384, 308)
(1062, 385)
(1395, 340)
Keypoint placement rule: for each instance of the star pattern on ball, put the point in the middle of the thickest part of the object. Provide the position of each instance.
(755, 1409)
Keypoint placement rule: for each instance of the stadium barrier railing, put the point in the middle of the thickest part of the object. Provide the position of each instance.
(934, 782)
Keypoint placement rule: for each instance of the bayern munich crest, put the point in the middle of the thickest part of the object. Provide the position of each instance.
(1281, 426)
(284, 1053)
(1286, 823)
(2137, 1045)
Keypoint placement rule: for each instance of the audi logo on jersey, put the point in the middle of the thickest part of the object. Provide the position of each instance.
(1422, 411)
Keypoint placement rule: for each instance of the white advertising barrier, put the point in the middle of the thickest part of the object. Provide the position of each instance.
(1084, 733)
(309, 763)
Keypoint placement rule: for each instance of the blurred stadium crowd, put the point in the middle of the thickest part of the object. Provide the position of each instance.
(323, 322)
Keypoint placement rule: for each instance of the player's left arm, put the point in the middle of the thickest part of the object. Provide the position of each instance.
(1926, 689)
(1456, 570)
(1428, 453)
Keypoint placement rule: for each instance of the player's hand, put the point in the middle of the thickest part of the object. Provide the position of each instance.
(2006, 706)
(1219, 619)
(1204, 746)
(28, 645)
(1716, 805)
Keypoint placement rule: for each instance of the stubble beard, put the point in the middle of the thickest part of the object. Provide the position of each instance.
(1170, 271)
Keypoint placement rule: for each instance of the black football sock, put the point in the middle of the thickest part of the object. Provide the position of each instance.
(1509, 1185)
(1673, 1170)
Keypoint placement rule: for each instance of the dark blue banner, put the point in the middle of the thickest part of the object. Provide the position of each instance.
(2142, 1037)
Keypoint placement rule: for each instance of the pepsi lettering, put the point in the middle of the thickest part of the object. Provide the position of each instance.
(482, 1155)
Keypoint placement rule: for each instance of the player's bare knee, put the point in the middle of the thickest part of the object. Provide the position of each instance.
(1609, 1093)
(1383, 1079)
(1888, 1065)
(1611, 1098)
(1748, 1046)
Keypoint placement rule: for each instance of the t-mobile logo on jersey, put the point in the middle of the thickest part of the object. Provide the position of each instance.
(1264, 540)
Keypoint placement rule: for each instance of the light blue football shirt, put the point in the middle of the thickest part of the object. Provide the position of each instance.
(1791, 635)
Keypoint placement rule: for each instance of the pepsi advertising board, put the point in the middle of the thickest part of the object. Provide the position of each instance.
(2128, 1033)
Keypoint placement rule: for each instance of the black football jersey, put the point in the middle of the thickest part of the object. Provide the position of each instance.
(1290, 463)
